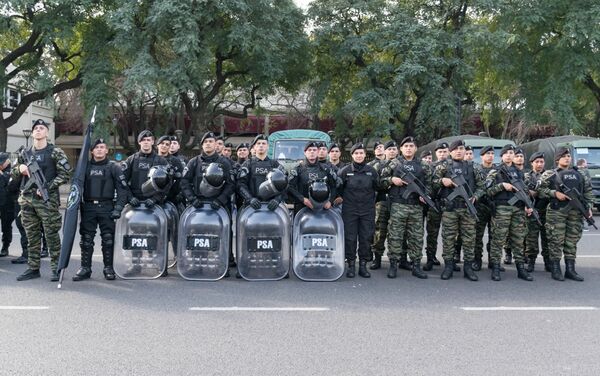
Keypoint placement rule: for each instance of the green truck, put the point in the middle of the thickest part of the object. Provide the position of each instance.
(287, 147)
(581, 147)
(475, 142)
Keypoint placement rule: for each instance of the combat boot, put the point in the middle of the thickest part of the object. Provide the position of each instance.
(547, 264)
(29, 274)
(522, 273)
(21, 259)
(476, 266)
(455, 267)
(4, 250)
(469, 273)
(44, 252)
(393, 270)
(457, 256)
(83, 273)
(417, 272)
(109, 273)
(404, 264)
(496, 271)
(54, 276)
(436, 262)
(508, 257)
(351, 272)
(556, 272)
(429, 264)
(362, 269)
(531, 264)
(376, 264)
(448, 269)
(570, 272)
(134, 269)
(491, 265)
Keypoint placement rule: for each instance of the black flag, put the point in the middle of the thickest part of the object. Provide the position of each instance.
(72, 213)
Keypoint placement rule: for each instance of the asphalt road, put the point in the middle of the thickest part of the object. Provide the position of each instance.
(353, 326)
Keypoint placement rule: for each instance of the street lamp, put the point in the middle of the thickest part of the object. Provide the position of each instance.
(27, 134)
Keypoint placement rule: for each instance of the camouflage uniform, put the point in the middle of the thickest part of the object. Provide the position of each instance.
(382, 211)
(434, 222)
(534, 230)
(484, 208)
(35, 212)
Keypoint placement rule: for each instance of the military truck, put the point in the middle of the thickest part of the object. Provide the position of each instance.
(581, 147)
(475, 142)
(287, 147)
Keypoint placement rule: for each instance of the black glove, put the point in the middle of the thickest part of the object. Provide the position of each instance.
(255, 203)
(197, 203)
(149, 203)
(215, 205)
(134, 202)
(272, 205)
(115, 214)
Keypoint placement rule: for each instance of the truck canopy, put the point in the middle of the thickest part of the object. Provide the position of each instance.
(475, 142)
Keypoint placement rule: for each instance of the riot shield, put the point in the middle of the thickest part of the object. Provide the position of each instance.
(263, 243)
(172, 222)
(318, 245)
(204, 239)
(141, 243)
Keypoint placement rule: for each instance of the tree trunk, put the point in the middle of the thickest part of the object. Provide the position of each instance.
(3, 135)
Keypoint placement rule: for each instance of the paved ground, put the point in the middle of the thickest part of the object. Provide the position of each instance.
(376, 326)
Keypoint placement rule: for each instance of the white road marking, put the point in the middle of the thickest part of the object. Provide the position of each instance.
(588, 256)
(24, 308)
(261, 309)
(502, 308)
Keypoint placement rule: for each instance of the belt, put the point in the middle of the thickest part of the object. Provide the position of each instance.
(96, 202)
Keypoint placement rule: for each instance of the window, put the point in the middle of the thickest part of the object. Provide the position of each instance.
(12, 97)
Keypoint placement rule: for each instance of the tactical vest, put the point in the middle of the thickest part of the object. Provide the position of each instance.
(396, 192)
(202, 163)
(139, 171)
(308, 173)
(465, 169)
(99, 181)
(571, 178)
(45, 161)
(504, 196)
(259, 169)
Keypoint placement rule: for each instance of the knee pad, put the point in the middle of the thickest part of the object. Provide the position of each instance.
(87, 241)
(107, 240)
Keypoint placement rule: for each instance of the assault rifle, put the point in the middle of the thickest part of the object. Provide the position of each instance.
(414, 185)
(463, 190)
(36, 176)
(575, 200)
(521, 194)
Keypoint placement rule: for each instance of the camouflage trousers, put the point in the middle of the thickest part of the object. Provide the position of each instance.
(434, 221)
(534, 233)
(564, 231)
(382, 217)
(34, 214)
(484, 213)
(406, 222)
(508, 227)
(454, 223)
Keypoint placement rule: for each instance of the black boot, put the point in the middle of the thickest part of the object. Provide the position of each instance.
(570, 272)
(44, 252)
(109, 273)
(476, 266)
(351, 271)
(468, 272)
(491, 266)
(4, 250)
(531, 264)
(496, 271)
(522, 272)
(29, 274)
(416, 270)
(362, 269)
(556, 272)
(404, 264)
(429, 264)
(54, 276)
(436, 262)
(393, 270)
(133, 270)
(83, 273)
(21, 259)
(547, 264)
(448, 269)
(457, 256)
(376, 264)
(508, 257)
(456, 267)
(107, 258)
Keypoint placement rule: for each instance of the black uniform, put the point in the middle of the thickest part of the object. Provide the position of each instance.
(136, 168)
(177, 166)
(194, 171)
(252, 174)
(104, 181)
(303, 175)
(358, 190)
(7, 210)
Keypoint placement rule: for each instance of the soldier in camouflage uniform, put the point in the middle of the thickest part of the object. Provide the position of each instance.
(508, 220)
(379, 150)
(456, 218)
(434, 220)
(563, 222)
(519, 163)
(406, 215)
(34, 211)
(534, 230)
(382, 206)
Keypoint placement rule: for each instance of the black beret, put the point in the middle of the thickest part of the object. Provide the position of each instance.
(163, 138)
(311, 144)
(507, 148)
(560, 152)
(406, 140)
(144, 133)
(441, 145)
(519, 151)
(228, 145)
(456, 144)
(219, 138)
(97, 142)
(333, 146)
(390, 144)
(426, 153)
(206, 136)
(257, 138)
(536, 155)
(468, 147)
(243, 145)
(3, 157)
(357, 146)
(376, 144)
(485, 149)
(39, 122)
(321, 144)
(174, 138)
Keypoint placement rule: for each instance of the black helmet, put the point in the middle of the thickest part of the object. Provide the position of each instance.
(159, 178)
(318, 191)
(275, 184)
(212, 181)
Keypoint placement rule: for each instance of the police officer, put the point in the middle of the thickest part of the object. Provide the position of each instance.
(242, 152)
(519, 163)
(434, 220)
(254, 172)
(334, 157)
(34, 211)
(379, 150)
(406, 214)
(563, 222)
(469, 155)
(103, 179)
(307, 172)
(163, 146)
(456, 219)
(382, 205)
(534, 230)
(509, 220)
(426, 157)
(357, 192)
(7, 204)
(220, 145)
(227, 150)
(174, 149)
